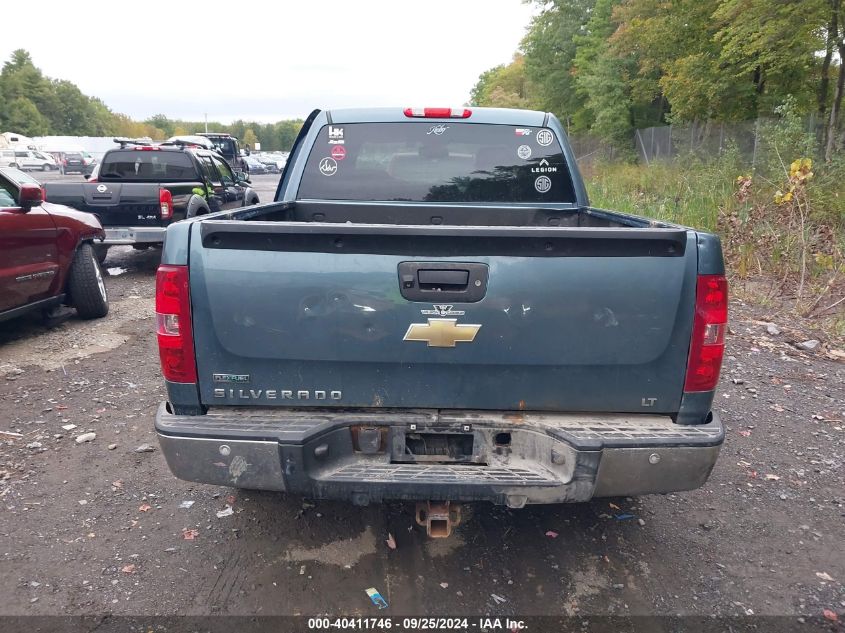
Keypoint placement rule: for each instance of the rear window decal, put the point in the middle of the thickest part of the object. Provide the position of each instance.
(545, 137)
(328, 166)
(543, 184)
(335, 135)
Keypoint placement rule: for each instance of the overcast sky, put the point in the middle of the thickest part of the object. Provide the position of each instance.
(266, 60)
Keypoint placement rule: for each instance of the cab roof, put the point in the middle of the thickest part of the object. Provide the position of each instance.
(502, 116)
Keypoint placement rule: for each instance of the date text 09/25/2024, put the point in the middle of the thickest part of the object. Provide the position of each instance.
(417, 624)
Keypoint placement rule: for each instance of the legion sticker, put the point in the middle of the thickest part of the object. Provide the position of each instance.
(522, 131)
(524, 152)
(338, 152)
(543, 184)
(328, 166)
(545, 137)
(544, 168)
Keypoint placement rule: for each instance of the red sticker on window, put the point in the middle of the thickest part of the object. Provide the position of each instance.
(338, 152)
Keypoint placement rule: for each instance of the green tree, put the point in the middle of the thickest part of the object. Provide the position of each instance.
(550, 47)
(503, 86)
(286, 132)
(23, 117)
(250, 138)
(161, 122)
(603, 79)
(774, 44)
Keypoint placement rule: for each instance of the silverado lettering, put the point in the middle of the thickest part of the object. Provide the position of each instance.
(274, 394)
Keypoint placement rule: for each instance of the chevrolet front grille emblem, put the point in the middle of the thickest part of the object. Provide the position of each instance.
(442, 332)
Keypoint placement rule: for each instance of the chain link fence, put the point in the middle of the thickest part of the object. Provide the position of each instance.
(702, 140)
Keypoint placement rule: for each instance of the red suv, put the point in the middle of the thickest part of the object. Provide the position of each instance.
(46, 252)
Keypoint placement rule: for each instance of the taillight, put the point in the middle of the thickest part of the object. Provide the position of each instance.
(438, 113)
(707, 346)
(146, 148)
(165, 203)
(173, 324)
(43, 194)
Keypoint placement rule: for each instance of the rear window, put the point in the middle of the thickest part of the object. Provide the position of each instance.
(147, 165)
(422, 161)
(225, 146)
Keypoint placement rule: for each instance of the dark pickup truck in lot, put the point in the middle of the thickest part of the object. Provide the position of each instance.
(139, 189)
(432, 311)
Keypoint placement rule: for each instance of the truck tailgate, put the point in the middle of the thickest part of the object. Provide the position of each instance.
(568, 319)
(115, 204)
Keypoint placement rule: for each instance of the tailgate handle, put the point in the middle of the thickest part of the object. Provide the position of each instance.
(439, 280)
(462, 282)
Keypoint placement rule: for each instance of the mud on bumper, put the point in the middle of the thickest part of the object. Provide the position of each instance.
(517, 457)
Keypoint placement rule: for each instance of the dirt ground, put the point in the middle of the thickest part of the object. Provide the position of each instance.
(97, 527)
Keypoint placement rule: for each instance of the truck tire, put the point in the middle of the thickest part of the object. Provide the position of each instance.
(86, 286)
(197, 206)
(45, 167)
(101, 251)
(253, 200)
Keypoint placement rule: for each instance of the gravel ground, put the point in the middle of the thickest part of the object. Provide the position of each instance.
(98, 527)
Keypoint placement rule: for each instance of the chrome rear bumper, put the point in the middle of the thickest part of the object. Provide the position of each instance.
(548, 458)
(134, 235)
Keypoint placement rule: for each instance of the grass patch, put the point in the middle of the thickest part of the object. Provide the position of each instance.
(798, 240)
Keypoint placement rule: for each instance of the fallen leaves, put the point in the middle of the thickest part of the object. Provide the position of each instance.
(145, 507)
(128, 569)
(824, 576)
(189, 534)
(391, 542)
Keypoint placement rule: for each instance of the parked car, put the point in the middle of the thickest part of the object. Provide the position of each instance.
(140, 189)
(78, 162)
(434, 312)
(46, 252)
(255, 166)
(7, 157)
(229, 148)
(27, 159)
(270, 163)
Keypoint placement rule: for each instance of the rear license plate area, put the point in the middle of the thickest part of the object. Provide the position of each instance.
(432, 447)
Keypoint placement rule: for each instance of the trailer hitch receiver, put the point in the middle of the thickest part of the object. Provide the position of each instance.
(438, 517)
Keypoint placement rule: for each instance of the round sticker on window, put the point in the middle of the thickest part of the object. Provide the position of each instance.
(545, 137)
(338, 152)
(328, 166)
(543, 184)
(524, 152)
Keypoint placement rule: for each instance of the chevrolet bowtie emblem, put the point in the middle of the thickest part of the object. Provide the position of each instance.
(442, 332)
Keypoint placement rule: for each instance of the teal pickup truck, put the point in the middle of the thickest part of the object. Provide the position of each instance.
(431, 311)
